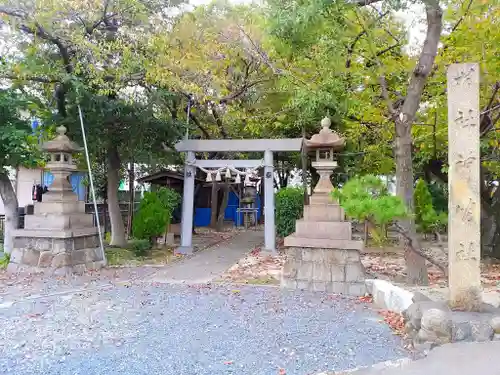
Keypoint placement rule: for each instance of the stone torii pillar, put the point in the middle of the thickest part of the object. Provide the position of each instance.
(269, 227)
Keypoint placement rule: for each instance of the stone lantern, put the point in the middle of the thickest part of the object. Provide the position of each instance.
(321, 255)
(324, 144)
(60, 164)
(59, 237)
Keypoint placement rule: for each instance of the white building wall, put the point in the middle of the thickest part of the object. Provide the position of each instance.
(23, 184)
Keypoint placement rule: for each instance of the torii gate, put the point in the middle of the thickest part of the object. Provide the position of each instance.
(268, 146)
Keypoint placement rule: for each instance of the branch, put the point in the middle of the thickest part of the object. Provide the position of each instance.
(18, 13)
(33, 79)
(371, 63)
(350, 49)
(362, 3)
(415, 246)
(461, 19)
(382, 79)
(241, 91)
(218, 121)
(425, 62)
(486, 123)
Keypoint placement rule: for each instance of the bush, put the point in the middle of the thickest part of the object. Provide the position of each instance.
(428, 220)
(4, 259)
(366, 199)
(155, 214)
(289, 203)
(140, 248)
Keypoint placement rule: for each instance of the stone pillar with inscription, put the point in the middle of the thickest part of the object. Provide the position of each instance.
(464, 232)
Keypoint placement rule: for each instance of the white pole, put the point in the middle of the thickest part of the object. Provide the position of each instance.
(103, 254)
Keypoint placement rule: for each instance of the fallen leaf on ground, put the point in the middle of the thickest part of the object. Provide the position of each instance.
(366, 299)
(394, 320)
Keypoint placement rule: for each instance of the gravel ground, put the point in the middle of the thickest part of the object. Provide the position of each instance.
(181, 330)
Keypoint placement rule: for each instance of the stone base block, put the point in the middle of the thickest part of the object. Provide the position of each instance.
(324, 270)
(55, 255)
(323, 212)
(340, 230)
(58, 221)
(322, 243)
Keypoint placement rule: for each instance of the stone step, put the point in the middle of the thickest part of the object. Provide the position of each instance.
(326, 243)
(324, 212)
(334, 230)
(58, 221)
(59, 208)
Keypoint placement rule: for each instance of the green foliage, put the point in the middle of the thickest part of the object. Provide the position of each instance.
(155, 214)
(4, 260)
(366, 198)
(439, 193)
(170, 199)
(140, 248)
(289, 203)
(426, 217)
(17, 144)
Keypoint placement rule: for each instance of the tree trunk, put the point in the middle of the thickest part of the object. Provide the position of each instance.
(11, 206)
(115, 216)
(131, 199)
(490, 220)
(223, 206)
(214, 200)
(303, 160)
(415, 264)
(416, 268)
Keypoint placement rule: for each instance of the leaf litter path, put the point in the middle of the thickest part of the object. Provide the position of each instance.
(172, 329)
(211, 263)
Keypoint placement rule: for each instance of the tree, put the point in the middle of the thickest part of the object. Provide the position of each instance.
(92, 53)
(17, 147)
(401, 106)
(472, 37)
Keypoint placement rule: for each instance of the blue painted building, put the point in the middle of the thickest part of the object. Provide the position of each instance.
(202, 215)
(76, 179)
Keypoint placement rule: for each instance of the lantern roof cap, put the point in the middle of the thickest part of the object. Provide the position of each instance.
(61, 143)
(326, 138)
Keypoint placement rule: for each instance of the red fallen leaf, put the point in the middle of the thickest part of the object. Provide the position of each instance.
(228, 362)
(34, 315)
(394, 320)
(282, 371)
(366, 299)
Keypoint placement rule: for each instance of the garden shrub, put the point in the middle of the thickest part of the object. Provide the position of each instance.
(428, 220)
(289, 204)
(4, 259)
(366, 198)
(155, 214)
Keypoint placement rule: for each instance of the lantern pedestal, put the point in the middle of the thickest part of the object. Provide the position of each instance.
(59, 237)
(321, 255)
